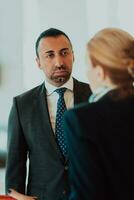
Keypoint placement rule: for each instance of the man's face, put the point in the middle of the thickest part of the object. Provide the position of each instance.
(55, 59)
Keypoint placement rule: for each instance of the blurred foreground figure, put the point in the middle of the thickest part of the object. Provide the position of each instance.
(100, 134)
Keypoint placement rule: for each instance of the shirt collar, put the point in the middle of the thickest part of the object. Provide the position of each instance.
(99, 93)
(51, 88)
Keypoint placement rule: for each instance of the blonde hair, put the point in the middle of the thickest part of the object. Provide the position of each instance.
(113, 49)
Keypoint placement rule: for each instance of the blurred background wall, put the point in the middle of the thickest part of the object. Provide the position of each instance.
(21, 21)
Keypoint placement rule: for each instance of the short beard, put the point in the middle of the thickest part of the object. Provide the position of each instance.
(61, 80)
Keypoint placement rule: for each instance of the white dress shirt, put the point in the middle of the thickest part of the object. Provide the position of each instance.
(52, 98)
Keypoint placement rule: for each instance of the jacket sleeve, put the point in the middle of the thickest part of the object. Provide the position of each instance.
(86, 173)
(17, 152)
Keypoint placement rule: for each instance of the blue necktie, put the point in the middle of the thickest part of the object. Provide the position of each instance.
(59, 132)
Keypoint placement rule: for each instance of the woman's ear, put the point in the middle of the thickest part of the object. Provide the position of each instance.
(100, 73)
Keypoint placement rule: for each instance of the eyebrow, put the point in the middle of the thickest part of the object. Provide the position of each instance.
(64, 49)
(51, 51)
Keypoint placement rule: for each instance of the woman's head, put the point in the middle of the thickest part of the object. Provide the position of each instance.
(111, 53)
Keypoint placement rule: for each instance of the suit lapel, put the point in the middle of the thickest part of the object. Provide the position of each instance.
(44, 119)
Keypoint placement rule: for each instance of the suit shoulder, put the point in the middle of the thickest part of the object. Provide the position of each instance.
(81, 119)
(31, 93)
(81, 106)
(85, 113)
(82, 88)
(81, 109)
(82, 84)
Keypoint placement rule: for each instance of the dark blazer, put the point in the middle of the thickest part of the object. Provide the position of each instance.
(30, 135)
(100, 138)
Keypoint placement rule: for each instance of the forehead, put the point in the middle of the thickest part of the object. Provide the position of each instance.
(54, 43)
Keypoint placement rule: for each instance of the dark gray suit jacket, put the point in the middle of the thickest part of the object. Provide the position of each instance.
(30, 135)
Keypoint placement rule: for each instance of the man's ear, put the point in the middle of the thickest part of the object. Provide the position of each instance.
(38, 62)
(73, 56)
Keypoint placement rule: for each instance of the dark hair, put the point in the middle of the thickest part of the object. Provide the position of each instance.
(51, 32)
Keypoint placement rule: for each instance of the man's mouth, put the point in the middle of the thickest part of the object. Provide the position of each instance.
(60, 72)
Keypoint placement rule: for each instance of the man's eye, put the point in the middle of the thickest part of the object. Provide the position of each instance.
(50, 55)
(64, 53)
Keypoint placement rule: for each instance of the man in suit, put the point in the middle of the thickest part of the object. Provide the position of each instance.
(32, 122)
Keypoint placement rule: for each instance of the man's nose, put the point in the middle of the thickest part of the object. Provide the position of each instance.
(58, 61)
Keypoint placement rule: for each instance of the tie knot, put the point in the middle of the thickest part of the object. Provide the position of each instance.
(61, 91)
